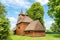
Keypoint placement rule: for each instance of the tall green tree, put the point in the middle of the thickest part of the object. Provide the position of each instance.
(36, 11)
(2, 11)
(4, 24)
(51, 5)
(54, 12)
(54, 27)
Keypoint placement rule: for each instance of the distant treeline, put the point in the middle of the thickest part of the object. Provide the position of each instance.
(52, 32)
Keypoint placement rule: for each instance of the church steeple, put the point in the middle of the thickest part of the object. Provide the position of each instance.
(21, 16)
(21, 13)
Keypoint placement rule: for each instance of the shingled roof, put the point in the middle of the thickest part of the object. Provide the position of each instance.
(25, 19)
(35, 26)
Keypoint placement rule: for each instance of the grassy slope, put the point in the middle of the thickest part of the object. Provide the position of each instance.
(47, 37)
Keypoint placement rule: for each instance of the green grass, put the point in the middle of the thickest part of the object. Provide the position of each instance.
(47, 37)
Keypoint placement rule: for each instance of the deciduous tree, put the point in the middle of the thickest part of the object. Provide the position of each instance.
(4, 24)
(54, 12)
(36, 11)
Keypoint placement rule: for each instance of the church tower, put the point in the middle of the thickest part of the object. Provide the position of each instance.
(21, 16)
(22, 22)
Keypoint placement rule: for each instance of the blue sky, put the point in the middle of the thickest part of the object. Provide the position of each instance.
(14, 7)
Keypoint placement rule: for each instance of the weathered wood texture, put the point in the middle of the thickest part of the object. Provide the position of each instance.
(35, 34)
(27, 27)
(20, 28)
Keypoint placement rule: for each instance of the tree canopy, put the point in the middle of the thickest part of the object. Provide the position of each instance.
(54, 12)
(4, 23)
(2, 11)
(51, 5)
(36, 12)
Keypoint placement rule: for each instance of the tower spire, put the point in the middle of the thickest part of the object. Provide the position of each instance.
(21, 13)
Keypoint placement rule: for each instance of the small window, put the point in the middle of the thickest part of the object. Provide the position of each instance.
(18, 27)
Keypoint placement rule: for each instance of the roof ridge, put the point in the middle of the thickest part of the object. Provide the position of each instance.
(35, 25)
(26, 19)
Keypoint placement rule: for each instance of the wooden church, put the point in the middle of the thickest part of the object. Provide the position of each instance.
(27, 27)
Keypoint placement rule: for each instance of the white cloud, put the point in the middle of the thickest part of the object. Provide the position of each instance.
(43, 2)
(21, 3)
(17, 3)
(48, 23)
(13, 21)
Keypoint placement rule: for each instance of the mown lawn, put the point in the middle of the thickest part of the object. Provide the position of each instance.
(47, 37)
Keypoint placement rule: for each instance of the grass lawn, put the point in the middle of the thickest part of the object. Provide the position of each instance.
(47, 37)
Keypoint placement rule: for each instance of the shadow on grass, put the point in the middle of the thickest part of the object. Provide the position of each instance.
(57, 35)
